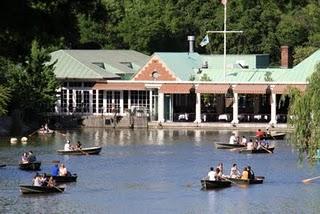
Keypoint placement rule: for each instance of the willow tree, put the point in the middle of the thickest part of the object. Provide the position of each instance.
(305, 111)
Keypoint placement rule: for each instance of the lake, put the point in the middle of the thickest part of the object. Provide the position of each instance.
(157, 171)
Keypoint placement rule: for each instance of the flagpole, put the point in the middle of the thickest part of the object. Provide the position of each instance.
(225, 41)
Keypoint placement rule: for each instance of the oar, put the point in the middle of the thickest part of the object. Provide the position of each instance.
(310, 179)
(235, 183)
(60, 190)
(86, 153)
(33, 132)
(237, 149)
(266, 149)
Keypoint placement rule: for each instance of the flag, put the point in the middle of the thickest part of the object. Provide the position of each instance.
(204, 41)
(224, 2)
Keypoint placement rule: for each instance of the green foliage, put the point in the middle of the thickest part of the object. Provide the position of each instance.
(305, 119)
(300, 53)
(205, 77)
(268, 76)
(33, 85)
(4, 99)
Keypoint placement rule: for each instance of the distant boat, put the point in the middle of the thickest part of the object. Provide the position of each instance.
(30, 166)
(275, 136)
(45, 131)
(28, 189)
(63, 179)
(229, 146)
(207, 184)
(257, 151)
(2, 165)
(84, 151)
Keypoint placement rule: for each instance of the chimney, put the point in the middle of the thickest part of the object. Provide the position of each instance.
(191, 42)
(286, 57)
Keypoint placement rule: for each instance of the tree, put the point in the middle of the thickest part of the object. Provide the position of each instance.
(4, 99)
(34, 84)
(305, 112)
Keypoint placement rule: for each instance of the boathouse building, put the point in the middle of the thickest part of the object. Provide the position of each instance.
(177, 87)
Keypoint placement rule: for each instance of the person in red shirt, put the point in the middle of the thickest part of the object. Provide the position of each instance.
(259, 134)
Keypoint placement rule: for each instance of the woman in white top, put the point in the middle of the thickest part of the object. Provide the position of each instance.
(250, 145)
(63, 170)
(67, 146)
(234, 172)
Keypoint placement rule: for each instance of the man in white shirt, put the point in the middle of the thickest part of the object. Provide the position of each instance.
(212, 174)
(233, 139)
(67, 146)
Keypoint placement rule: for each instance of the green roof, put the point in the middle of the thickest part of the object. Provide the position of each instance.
(97, 64)
(185, 65)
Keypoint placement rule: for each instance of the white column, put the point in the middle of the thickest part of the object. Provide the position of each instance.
(273, 109)
(121, 103)
(235, 109)
(104, 102)
(67, 100)
(129, 101)
(74, 100)
(90, 101)
(150, 104)
(198, 108)
(97, 102)
(161, 108)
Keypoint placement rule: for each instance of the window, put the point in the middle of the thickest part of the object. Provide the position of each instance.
(100, 65)
(128, 64)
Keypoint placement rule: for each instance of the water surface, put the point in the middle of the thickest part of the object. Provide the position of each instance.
(157, 171)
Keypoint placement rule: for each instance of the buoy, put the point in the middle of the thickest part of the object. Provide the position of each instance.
(24, 139)
(13, 140)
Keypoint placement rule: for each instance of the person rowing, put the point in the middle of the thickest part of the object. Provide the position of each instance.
(24, 158)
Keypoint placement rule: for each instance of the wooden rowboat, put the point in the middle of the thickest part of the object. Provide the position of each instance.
(63, 179)
(257, 151)
(257, 180)
(275, 136)
(206, 184)
(27, 189)
(228, 146)
(84, 151)
(35, 166)
(44, 132)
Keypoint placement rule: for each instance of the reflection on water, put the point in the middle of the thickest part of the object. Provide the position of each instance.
(157, 171)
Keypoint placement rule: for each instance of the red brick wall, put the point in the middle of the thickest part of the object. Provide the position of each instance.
(286, 57)
(152, 66)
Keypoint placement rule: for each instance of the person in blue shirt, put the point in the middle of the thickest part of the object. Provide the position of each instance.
(55, 170)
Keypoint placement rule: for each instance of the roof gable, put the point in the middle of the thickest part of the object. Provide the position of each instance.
(155, 69)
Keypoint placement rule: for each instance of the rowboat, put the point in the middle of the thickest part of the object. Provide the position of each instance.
(275, 136)
(30, 166)
(257, 180)
(45, 131)
(229, 146)
(206, 184)
(257, 151)
(63, 179)
(84, 151)
(2, 165)
(27, 189)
